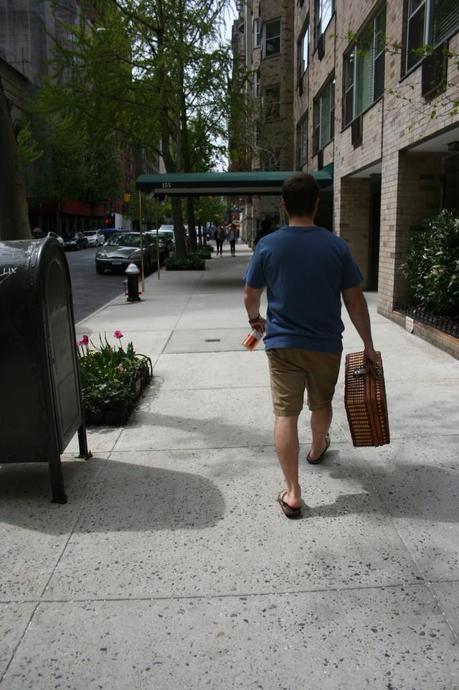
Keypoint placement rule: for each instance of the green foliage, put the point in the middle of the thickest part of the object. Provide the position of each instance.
(108, 375)
(185, 263)
(432, 265)
(203, 252)
(140, 76)
(29, 150)
(210, 209)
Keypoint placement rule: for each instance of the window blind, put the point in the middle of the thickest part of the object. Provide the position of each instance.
(445, 19)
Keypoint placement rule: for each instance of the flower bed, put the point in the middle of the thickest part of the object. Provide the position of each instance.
(112, 379)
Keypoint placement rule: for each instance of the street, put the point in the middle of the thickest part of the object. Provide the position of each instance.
(90, 290)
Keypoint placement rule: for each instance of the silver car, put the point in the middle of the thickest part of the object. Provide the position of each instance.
(124, 248)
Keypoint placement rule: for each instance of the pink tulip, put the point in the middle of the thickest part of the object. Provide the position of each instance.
(118, 335)
(84, 340)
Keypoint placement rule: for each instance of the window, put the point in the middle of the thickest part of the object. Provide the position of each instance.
(323, 13)
(416, 28)
(271, 102)
(445, 19)
(256, 84)
(270, 160)
(324, 116)
(428, 22)
(302, 142)
(303, 51)
(271, 38)
(364, 69)
(256, 33)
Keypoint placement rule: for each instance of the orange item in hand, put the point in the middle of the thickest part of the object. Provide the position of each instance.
(251, 341)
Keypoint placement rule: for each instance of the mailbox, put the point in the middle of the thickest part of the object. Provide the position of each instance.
(40, 401)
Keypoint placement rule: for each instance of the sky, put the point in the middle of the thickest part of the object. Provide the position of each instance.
(231, 15)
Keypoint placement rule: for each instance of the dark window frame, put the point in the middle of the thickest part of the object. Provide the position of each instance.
(302, 148)
(319, 29)
(429, 7)
(269, 117)
(317, 143)
(257, 35)
(300, 62)
(378, 59)
(276, 37)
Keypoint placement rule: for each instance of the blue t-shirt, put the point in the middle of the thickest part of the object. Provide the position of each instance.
(304, 270)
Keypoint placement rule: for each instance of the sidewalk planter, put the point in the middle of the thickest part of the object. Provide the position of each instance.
(203, 253)
(186, 263)
(112, 380)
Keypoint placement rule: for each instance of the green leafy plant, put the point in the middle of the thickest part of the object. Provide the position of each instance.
(111, 377)
(202, 252)
(431, 265)
(185, 263)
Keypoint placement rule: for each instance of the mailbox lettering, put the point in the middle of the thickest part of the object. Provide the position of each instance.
(7, 272)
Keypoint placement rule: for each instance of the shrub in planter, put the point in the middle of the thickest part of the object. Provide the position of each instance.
(432, 265)
(203, 252)
(112, 379)
(185, 263)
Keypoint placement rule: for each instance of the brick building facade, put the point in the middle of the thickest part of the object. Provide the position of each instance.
(264, 41)
(372, 104)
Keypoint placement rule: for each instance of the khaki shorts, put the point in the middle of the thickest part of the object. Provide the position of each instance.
(294, 370)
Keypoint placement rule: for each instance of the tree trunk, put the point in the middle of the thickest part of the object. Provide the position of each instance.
(14, 215)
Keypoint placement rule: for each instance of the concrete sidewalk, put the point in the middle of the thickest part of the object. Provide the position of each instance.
(172, 566)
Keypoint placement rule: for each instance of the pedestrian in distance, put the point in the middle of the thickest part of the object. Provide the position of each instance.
(306, 270)
(219, 239)
(232, 237)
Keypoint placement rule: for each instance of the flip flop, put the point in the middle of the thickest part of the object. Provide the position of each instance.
(291, 513)
(319, 459)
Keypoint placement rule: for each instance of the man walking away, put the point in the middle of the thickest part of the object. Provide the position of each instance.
(306, 269)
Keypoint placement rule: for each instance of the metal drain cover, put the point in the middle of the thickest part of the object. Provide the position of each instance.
(212, 340)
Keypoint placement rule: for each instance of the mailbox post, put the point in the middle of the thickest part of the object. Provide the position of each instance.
(40, 402)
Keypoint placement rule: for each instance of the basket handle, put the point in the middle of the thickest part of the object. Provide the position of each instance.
(369, 368)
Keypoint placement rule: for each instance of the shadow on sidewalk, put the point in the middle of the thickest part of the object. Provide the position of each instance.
(401, 491)
(223, 283)
(123, 497)
(220, 433)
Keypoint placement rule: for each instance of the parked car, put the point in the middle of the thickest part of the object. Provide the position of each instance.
(167, 231)
(166, 242)
(76, 241)
(95, 238)
(57, 237)
(124, 248)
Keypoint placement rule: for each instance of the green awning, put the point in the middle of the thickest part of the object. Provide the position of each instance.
(222, 184)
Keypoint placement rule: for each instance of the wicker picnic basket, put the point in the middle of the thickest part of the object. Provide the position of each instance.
(365, 401)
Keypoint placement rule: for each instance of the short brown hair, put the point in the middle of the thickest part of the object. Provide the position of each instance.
(300, 193)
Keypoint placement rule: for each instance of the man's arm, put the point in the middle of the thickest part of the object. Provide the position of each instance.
(252, 298)
(356, 305)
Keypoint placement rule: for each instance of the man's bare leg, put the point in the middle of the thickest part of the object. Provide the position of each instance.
(287, 446)
(320, 425)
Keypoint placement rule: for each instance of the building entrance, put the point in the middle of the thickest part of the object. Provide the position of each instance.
(374, 228)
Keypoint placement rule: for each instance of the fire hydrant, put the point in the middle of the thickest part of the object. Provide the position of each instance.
(132, 273)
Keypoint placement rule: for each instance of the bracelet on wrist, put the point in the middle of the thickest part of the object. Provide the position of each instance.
(255, 318)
